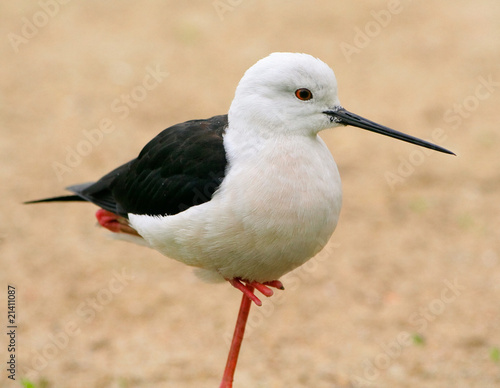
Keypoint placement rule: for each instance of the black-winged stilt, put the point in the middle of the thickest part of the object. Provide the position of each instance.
(244, 197)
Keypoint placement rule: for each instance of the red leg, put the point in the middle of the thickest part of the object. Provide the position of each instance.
(247, 288)
(114, 222)
(246, 301)
(239, 330)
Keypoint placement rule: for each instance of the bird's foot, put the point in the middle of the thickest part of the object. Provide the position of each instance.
(114, 222)
(247, 287)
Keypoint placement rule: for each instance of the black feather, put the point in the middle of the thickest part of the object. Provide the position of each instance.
(181, 167)
(64, 198)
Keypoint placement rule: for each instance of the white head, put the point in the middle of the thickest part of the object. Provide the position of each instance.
(273, 96)
(296, 94)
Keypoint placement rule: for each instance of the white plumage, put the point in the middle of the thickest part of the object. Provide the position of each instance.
(280, 200)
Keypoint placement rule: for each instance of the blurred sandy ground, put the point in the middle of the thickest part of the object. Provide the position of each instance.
(418, 258)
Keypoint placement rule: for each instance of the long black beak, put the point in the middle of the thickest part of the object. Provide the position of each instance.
(345, 117)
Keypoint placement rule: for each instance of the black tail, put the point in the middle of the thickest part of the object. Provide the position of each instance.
(67, 198)
(64, 198)
(97, 193)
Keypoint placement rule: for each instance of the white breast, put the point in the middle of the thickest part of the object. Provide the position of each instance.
(276, 208)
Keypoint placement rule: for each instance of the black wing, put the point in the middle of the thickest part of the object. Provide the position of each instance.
(181, 167)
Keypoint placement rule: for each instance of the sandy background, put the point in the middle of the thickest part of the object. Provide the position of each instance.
(407, 293)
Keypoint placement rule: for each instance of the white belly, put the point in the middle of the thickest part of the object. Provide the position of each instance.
(273, 212)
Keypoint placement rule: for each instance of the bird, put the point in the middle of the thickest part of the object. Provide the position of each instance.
(244, 197)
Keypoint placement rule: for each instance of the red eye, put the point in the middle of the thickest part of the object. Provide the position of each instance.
(303, 94)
